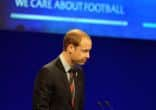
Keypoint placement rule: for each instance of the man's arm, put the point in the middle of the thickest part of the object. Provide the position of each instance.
(42, 90)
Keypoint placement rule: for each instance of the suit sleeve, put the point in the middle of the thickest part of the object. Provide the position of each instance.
(42, 90)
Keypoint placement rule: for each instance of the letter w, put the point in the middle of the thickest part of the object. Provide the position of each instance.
(21, 3)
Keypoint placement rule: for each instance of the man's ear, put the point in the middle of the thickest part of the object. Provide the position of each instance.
(70, 48)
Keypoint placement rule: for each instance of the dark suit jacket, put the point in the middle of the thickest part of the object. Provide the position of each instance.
(51, 89)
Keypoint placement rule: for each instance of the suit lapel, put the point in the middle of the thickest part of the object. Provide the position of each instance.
(77, 89)
(66, 83)
(64, 78)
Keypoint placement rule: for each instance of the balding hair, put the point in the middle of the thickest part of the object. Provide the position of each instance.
(74, 37)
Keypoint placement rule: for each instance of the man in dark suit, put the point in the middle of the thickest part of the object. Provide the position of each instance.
(54, 89)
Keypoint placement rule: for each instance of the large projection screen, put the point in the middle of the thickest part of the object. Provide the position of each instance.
(134, 19)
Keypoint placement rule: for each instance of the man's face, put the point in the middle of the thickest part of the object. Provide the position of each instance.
(81, 53)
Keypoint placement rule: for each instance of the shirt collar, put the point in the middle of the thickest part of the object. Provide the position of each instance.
(66, 66)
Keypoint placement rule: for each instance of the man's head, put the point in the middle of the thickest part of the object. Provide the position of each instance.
(77, 44)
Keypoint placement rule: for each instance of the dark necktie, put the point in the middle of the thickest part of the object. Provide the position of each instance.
(72, 87)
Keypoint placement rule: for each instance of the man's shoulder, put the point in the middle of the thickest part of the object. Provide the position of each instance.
(54, 65)
(51, 64)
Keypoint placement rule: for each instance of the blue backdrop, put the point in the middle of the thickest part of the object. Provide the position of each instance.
(120, 71)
